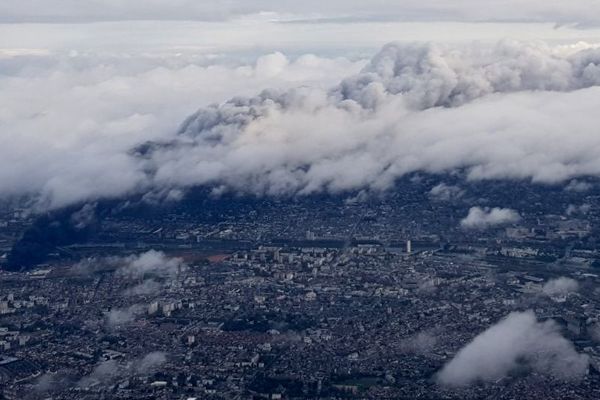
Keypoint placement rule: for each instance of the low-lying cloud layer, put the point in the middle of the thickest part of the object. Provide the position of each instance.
(443, 192)
(109, 371)
(517, 343)
(560, 286)
(507, 111)
(421, 343)
(495, 113)
(69, 121)
(121, 317)
(148, 272)
(152, 263)
(481, 218)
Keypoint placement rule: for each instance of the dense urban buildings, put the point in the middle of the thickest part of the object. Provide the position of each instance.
(321, 297)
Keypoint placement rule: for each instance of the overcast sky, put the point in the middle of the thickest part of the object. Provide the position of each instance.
(253, 27)
(572, 11)
(350, 28)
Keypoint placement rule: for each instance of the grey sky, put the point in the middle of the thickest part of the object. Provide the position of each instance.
(348, 28)
(573, 11)
(255, 36)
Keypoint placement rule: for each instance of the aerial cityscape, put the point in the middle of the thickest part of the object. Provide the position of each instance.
(273, 200)
(324, 297)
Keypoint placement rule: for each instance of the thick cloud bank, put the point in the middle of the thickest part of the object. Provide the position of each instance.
(69, 121)
(517, 343)
(507, 111)
(511, 111)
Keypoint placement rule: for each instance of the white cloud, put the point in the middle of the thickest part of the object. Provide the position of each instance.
(121, 317)
(517, 342)
(494, 112)
(443, 192)
(67, 123)
(104, 372)
(151, 262)
(582, 209)
(560, 286)
(414, 108)
(421, 343)
(150, 362)
(107, 372)
(578, 186)
(481, 218)
(148, 287)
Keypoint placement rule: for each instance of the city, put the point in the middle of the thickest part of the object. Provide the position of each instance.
(305, 298)
(299, 200)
